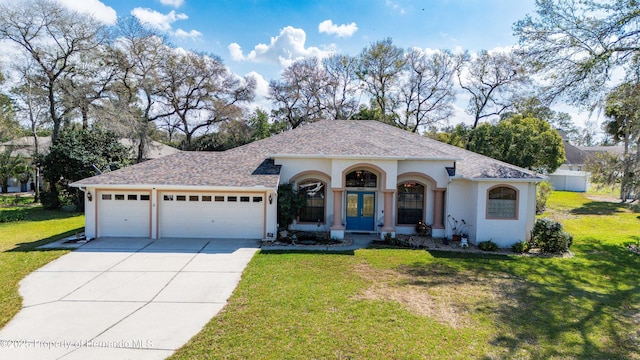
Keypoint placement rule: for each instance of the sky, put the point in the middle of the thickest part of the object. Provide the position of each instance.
(261, 38)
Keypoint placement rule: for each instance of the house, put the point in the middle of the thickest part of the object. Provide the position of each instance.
(572, 175)
(25, 147)
(356, 176)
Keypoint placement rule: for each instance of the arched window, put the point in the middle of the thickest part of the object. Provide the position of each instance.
(410, 203)
(361, 178)
(502, 203)
(314, 193)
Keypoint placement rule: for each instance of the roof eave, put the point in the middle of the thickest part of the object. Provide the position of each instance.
(361, 157)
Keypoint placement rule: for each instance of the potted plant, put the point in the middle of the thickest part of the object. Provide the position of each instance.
(458, 228)
(422, 229)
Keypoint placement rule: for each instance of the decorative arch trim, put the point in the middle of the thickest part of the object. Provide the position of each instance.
(303, 175)
(367, 166)
(416, 176)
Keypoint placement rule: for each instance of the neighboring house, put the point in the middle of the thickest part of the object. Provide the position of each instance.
(572, 175)
(357, 176)
(25, 147)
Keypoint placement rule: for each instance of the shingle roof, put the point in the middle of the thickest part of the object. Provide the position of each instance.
(246, 166)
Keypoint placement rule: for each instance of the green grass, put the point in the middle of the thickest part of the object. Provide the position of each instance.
(18, 240)
(414, 304)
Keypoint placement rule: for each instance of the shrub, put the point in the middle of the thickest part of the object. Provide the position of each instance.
(520, 247)
(50, 200)
(549, 236)
(10, 216)
(543, 191)
(487, 245)
(289, 205)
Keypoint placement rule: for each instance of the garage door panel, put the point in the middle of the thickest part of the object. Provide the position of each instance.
(124, 213)
(187, 215)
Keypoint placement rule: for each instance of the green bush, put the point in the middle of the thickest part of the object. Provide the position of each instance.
(10, 216)
(549, 236)
(520, 247)
(50, 200)
(543, 191)
(487, 245)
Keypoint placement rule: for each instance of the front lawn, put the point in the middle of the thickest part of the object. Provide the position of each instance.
(386, 303)
(17, 242)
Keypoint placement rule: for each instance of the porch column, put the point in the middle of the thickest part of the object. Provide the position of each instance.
(438, 208)
(388, 212)
(337, 209)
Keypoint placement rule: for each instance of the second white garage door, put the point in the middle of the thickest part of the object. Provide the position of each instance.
(211, 215)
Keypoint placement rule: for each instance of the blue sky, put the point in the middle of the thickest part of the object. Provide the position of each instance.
(349, 26)
(260, 37)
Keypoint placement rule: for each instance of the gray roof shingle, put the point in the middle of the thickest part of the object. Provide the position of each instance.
(246, 166)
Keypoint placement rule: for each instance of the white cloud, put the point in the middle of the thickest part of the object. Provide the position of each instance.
(395, 6)
(174, 3)
(100, 11)
(262, 91)
(283, 49)
(343, 30)
(163, 22)
(156, 19)
(193, 34)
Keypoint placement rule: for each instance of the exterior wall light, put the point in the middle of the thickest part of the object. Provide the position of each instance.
(89, 196)
(270, 198)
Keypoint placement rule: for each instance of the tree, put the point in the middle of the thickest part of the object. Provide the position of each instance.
(54, 37)
(300, 96)
(577, 45)
(623, 110)
(492, 80)
(199, 91)
(261, 128)
(133, 103)
(10, 166)
(427, 93)
(522, 141)
(533, 106)
(342, 86)
(379, 68)
(9, 126)
(78, 154)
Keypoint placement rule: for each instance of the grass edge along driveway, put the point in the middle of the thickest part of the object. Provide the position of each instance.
(18, 240)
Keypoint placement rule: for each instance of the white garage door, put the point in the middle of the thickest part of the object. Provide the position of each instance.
(124, 213)
(211, 215)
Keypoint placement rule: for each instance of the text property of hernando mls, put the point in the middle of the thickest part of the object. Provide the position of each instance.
(69, 344)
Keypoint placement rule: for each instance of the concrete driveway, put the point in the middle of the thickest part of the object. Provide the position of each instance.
(124, 298)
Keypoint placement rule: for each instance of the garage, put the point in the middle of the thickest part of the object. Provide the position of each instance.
(211, 215)
(124, 213)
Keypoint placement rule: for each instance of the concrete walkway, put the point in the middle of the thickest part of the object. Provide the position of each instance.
(124, 298)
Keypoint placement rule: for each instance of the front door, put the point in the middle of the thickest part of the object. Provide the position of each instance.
(360, 211)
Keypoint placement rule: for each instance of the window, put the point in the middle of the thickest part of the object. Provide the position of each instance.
(144, 197)
(193, 198)
(219, 198)
(502, 203)
(410, 203)
(106, 196)
(313, 191)
(232, 198)
(257, 199)
(167, 197)
(132, 197)
(361, 178)
(206, 197)
(119, 196)
(244, 199)
(181, 198)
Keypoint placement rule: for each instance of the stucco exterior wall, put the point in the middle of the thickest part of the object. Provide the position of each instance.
(461, 204)
(90, 214)
(508, 231)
